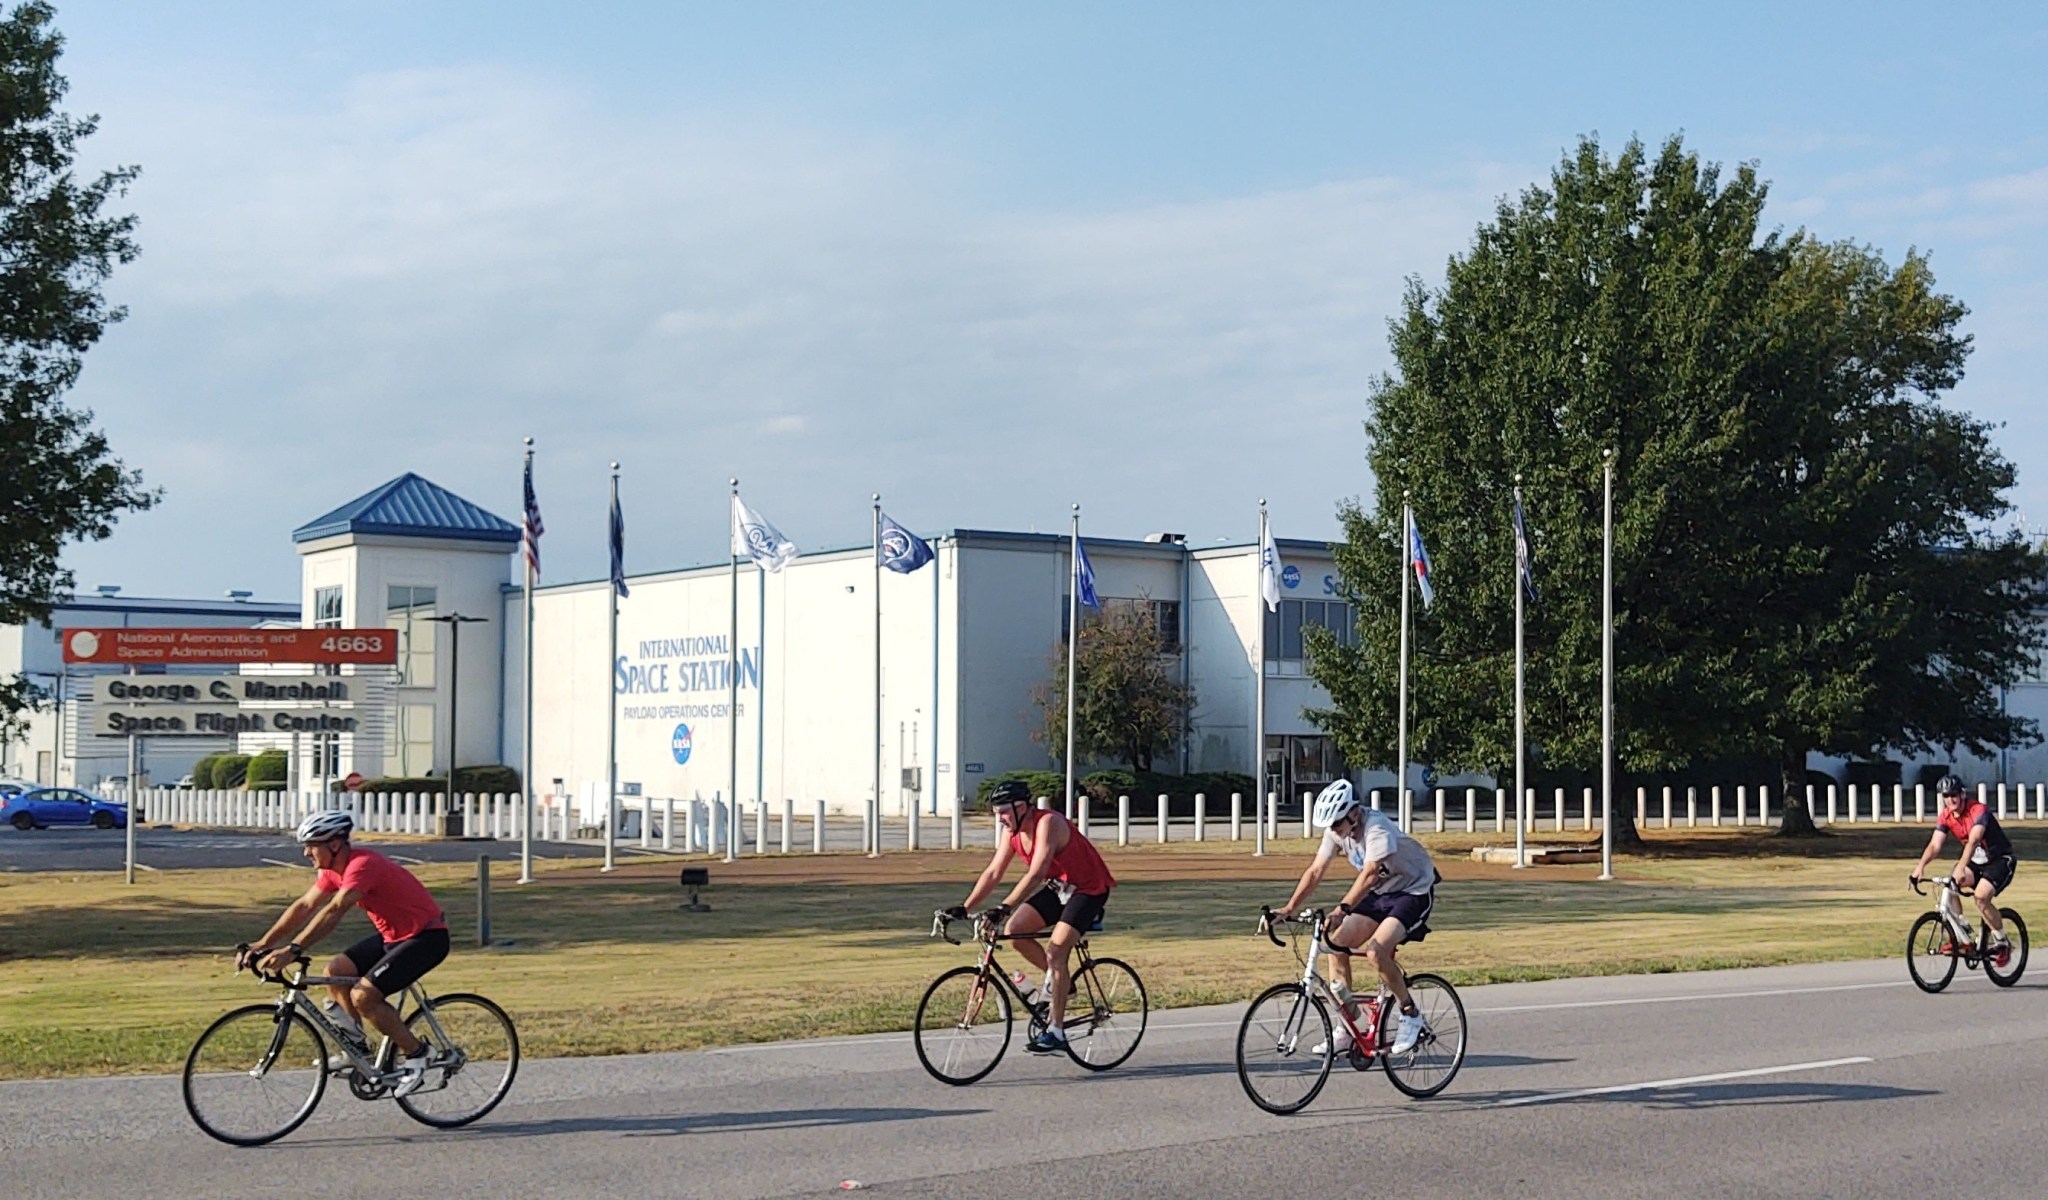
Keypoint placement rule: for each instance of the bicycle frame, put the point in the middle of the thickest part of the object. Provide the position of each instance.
(1366, 1039)
(1963, 939)
(372, 1067)
(990, 969)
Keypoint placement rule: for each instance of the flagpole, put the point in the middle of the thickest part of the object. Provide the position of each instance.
(1607, 669)
(1521, 858)
(1073, 639)
(761, 690)
(1259, 687)
(526, 675)
(932, 784)
(875, 835)
(732, 691)
(611, 708)
(1401, 725)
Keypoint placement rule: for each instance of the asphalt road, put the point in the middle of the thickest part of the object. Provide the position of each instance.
(1835, 1080)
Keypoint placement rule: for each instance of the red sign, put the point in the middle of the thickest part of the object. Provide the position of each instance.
(354, 782)
(134, 647)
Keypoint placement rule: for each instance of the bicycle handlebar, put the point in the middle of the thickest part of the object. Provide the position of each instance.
(1947, 881)
(244, 962)
(1267, 918)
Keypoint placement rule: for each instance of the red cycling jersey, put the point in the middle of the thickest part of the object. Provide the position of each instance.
(1958, 821)
(1077, 863)
(396, 902)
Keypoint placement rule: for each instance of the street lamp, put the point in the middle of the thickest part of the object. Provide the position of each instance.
(448, 822)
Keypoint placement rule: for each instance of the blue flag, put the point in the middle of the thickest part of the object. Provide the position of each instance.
(618, 546)
(1525, 557)
(1084, 578)
(900, 550)
(1418, 557)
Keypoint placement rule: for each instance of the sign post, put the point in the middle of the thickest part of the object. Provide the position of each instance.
(127, 706)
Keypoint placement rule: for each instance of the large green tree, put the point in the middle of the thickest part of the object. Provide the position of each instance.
(1803, 550)
(59, 482)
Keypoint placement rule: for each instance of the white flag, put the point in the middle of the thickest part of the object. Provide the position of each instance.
(759, 540)
(1269, 571)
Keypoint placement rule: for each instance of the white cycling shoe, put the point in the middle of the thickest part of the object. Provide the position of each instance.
(1342, 1039)
(411, 1072)
(1407, 1032)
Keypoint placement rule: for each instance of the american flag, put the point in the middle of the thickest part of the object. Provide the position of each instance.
(529, 540)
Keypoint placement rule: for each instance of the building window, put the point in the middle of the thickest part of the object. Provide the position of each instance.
(1166, 619)
(1285, 637)
(410, 610)
(411, 749)
(327, 608)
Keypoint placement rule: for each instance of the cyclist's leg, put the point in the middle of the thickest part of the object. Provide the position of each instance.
(1041, 910)
(400, 968)
(1986, 893)
(1379, 951)
(351, 965)
(1078, 914)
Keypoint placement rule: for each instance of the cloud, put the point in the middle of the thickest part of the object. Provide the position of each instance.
(432, 263)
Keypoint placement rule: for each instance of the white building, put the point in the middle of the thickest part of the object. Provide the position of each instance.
(56, 745)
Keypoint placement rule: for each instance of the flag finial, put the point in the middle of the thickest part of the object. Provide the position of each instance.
(529, 443)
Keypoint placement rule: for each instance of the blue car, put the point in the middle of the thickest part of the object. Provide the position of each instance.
(41, 808)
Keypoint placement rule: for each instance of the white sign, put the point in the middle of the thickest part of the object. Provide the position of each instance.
(218, 720)
(226, 689)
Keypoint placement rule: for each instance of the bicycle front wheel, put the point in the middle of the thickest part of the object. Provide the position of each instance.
(963, 1026)
(474, 1055)
(1930, 959)
(1106, 1014)
(2015, 933)
(1433, 1062)
(1283, 1049)
(255, 1075)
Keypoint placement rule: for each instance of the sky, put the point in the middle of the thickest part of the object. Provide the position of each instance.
(989, 261)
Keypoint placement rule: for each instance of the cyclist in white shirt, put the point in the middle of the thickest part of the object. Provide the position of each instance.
(1387, 903)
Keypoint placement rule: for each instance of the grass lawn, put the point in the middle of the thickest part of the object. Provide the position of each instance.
(99, 977)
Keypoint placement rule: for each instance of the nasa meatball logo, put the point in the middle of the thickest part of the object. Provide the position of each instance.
(895, 545)
(1291, 576)
(679, 744)
(85, 643)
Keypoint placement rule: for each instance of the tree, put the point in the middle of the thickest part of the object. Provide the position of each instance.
(1801, 553)
(1128, 704)
(59, 481)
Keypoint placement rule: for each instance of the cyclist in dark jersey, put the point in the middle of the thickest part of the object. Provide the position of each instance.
(1987, 863)
(1065, 886)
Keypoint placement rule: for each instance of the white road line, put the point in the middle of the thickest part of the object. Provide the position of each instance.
(142, 866)
(1793, 991)
(280, 863)
(407, 858)
(1687, 1081)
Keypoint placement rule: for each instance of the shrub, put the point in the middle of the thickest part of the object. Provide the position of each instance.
(403, 783)
(268, 771)
(230, 770)
(488, 779)
(202, 771)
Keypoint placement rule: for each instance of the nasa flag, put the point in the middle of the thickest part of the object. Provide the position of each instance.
(899, 549)
(757, 539)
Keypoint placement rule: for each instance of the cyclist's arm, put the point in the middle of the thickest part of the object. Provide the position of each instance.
(992, 874)
(328, 917)
(1311, 879)
(1363, 884)
(1927, 855)
(1052, 837)
(1971, 843)
(295, 915)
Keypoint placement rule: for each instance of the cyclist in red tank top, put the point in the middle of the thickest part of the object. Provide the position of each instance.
(1065, 886)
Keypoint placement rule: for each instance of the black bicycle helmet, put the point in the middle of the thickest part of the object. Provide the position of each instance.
(1950, 785)
(1009, 791)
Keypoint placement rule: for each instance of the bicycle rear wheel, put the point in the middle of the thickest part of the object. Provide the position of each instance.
(1106, 1014)
(1929, 957)
(474, 1057)
(1428, 1068)
(2016, 933)
(255, 1075)
(1283, 1049)
(963, 1026)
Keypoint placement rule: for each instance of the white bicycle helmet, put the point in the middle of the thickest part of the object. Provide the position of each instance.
(323, 825)
(1335, 803)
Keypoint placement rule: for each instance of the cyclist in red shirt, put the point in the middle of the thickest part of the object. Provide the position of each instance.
(1987, 863)
(1065, 885)
(411, 936)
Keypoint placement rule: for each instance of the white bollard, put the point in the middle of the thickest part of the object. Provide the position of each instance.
(1201, 814)
(1272, 816)
(1162, 818)
(668, 823)
(1123, 820)
(1667, 807)
(760, 827)
(959, 822)
(913, 827)
(1714, 806)
(2001, 801)
(1741, 804)
(1439, 810)
(1307, 823)
(1500, 810)
(788, 819)
(1919, 802)
(1586, 812)
(1237, 816)
(1898, 803)
(1471, 801)
(818, 827)
(1557, 811)
(1831, 804)
(1852, 804)
(1084, 813)
(1692, 807)
(875, 827)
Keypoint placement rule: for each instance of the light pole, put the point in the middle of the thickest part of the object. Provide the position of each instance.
(448, 821)
(56, 679)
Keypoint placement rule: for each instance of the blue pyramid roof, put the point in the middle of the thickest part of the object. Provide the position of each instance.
(410, 506)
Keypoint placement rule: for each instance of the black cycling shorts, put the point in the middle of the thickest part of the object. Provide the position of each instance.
(392, 967)
(1412, 909)
(1081, 910)
(1999, 871)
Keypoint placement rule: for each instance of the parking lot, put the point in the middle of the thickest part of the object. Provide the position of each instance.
(187, 849)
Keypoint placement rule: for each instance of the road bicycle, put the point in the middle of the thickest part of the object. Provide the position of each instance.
(963, 1022)
(1941, 937)
(257, 1073)
(1284, 1045)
